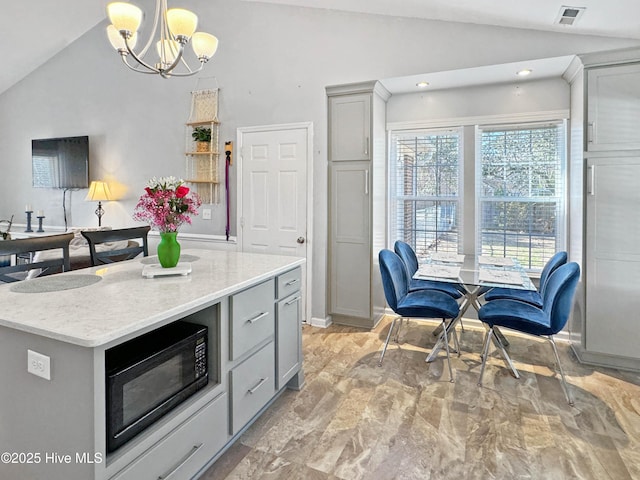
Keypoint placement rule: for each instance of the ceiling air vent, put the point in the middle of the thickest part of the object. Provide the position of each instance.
(569, 15)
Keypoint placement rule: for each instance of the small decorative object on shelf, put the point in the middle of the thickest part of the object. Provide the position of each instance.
(28, 210)
(166, 204)
(6, 233)
(202, 136)
(40, 216)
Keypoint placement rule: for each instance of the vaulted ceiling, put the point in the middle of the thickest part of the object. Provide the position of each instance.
(610, 18)
(38, 29)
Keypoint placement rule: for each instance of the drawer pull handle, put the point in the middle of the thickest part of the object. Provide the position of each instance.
(182, 462)
(291, 282)
(258, 317)
(253, 390)
(292, 301)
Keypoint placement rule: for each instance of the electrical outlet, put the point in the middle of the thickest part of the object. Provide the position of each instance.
(206, 214)
(38, 364)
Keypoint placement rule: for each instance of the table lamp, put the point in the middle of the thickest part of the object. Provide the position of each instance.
(99, 191)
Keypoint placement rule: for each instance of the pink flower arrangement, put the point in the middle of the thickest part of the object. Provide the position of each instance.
(166, 204)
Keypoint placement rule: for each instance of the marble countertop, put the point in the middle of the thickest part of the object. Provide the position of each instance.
(122, 302)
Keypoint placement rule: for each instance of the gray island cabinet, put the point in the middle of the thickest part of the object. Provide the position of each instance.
(55, 429)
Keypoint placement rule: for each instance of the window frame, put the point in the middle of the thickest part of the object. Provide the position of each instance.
(561, 209)
(394, 198)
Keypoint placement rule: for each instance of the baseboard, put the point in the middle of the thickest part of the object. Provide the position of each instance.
(605, 360)
(357, 322)
(321, 322)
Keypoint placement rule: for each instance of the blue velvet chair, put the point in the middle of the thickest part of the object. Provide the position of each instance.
(529, 296)
(420, 304)
(410, 260)
(526, 318)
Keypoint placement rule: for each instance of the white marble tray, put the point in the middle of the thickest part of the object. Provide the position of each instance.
(156, 270)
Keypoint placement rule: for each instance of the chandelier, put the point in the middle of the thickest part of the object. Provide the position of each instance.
(176, 27)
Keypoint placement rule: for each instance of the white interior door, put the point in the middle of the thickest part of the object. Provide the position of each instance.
(275, 192)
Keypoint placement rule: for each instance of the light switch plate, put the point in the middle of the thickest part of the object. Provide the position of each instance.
(38, 364)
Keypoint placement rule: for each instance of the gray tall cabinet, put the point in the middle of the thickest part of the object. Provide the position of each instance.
(606, 104)
(357, 202)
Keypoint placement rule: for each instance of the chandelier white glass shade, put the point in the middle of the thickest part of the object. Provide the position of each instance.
(176, 28)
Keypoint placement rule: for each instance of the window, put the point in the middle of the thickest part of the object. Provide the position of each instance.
(425, 173)
(520, 175)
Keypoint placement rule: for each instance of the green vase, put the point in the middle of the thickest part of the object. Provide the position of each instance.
(168, 249)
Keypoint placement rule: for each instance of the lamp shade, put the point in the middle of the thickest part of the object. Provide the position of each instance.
(98, 191)
(204, 45)
(117, 41)
(181, 22)
(168, 51)
(124, 16)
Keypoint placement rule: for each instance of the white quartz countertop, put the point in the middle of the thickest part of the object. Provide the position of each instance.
(122, 302)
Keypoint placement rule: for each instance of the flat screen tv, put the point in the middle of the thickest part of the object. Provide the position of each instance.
(60, 162)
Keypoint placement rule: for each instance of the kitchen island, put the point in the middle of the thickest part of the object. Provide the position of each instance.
(56, 429)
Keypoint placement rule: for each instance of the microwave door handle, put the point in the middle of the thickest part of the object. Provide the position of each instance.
(193, 451)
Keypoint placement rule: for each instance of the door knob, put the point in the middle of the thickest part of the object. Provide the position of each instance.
(300, 240)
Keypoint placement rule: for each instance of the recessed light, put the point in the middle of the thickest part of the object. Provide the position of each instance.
(422, 84)
(524, 72)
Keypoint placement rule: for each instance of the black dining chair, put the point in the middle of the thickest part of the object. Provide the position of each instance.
(28, 246)
(101, 255)
(542, 322)
(529, 296)
(419, 304)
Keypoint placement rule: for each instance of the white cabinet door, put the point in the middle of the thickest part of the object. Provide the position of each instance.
(613, 256)
(288, 339)
(613, 120)
(350, 127)
(350, 239)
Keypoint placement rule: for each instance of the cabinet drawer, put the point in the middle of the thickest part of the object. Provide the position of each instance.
(252, 318)
(252, 386)
(288, 283)
(183, 452)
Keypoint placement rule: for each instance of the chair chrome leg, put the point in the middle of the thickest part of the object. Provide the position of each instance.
(505, 355)
(436, 348)
(397, 337)
(446, 344)
(485, 353)
(565, 387)
(456, 343)
(386, 344)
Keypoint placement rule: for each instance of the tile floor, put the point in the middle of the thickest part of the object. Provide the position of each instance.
(405, 420)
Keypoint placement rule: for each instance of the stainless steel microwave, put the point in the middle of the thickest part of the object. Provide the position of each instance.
(150, 375)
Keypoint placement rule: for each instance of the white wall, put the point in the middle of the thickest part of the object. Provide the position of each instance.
(272, 66)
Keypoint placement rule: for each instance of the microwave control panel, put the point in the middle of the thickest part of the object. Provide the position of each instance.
(201, 357)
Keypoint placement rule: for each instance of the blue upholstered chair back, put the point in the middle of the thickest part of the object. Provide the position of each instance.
(558, 294)
(407, 255)
(395, 279)
(560, 258)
